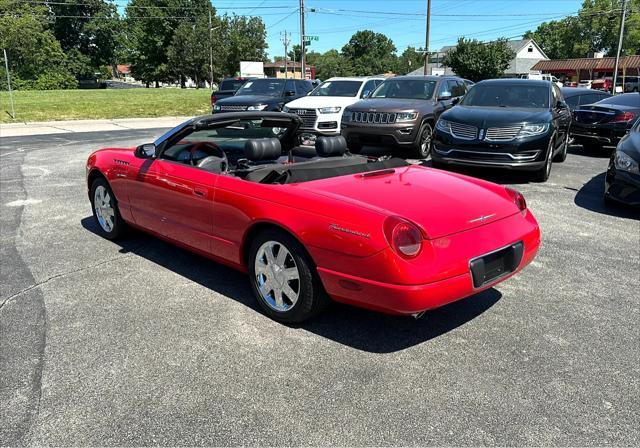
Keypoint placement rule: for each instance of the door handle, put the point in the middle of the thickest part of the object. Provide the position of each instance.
(198, 192)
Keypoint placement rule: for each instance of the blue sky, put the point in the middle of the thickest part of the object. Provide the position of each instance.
(403, 21)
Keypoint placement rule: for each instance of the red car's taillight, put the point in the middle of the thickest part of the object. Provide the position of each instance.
(404, 237)
(518, 199)
(624, 116)
(213, 99)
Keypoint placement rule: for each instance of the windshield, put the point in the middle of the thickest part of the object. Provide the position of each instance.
(507, 95)
(269, 87)
(338, 88)
(231, 84)
(405, 88)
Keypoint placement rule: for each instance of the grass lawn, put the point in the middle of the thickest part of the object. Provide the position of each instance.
(46, 105)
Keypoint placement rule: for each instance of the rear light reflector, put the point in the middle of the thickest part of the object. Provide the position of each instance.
(213, 99)
(517, 199)
(404, 237)
(624, 116)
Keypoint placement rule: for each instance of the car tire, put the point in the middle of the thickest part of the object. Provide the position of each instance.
(354, 148)
(422, 148)
(542, 175)
(562, 155)
(285, 284)
(105, 210)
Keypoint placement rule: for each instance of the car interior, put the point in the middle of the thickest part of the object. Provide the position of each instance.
(255, 153)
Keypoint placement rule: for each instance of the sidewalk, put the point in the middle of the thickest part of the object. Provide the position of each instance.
(63, 127)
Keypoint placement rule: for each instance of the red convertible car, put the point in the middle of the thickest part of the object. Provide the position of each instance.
(373, 232)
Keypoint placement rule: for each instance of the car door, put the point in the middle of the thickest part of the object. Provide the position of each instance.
(174, 199)
(561, 112)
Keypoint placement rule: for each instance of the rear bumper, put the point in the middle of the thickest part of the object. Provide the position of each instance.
(607, 135)
(408, 299)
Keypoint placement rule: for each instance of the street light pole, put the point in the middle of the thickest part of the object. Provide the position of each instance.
(6, 65)
(210, 54)
(426, 39)
(623, 17)
(302, 67)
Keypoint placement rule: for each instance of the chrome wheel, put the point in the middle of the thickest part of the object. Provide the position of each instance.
(425, 141)
(277, 276)
(103, 205)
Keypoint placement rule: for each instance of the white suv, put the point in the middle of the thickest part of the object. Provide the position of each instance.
(321, 110)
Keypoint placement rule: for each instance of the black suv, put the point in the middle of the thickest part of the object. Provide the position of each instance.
(268, 94)
(228, 87)
(401, 112)
(507, 123)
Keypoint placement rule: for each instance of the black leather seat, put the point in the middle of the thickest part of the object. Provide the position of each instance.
(334, 146)
(259, 150)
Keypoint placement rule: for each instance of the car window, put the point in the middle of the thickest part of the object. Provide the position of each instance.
(290, 86)
(572, 101)
(405, 88)
(369, 87)
(456, 88)
(303, 87)
(230, 139)
(507, 95)
(231, 84)
(265, 86)
(590, 98)
(338, 88)
(627, 99)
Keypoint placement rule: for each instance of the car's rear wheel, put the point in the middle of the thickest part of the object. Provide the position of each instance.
(562, 155)
(105, 210)
(542, 175)
(422, 147)
(283, 278)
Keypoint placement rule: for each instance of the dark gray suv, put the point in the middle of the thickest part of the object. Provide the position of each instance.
(401, 113)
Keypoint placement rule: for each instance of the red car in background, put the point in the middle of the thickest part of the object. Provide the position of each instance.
(373, 232)
(605, 84)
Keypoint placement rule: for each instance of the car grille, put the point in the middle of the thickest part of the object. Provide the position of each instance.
(502, 134)
(463, 131)
(373, 117)
(233, 108)
(308, 117)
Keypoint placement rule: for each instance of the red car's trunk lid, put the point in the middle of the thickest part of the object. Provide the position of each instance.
(441, 203)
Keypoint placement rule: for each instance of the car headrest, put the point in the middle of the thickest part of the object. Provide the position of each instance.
(262, 149)
(331, 146)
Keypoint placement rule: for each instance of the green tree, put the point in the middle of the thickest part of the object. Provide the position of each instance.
(245, 39)
(409, 60)
(296, 51)
(370, 53)
(188, 54)
(476, 61)
(88, 32)
(36, 59)
(594, 28)
(331, 63)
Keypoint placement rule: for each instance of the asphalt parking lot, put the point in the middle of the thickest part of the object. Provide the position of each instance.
(138, 342)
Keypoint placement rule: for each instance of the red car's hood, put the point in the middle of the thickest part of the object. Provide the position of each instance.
(441, 203)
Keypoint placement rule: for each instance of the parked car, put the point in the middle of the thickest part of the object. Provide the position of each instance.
(268, 94)
(605, 84)
(321, 110)
(622, 181)
(505, 123)
(575, 97)
(571, 84)
(632, 83)
(605, 122)
(401, 113)
(228, 87)
(340, 226)
(585, 83)
(543, 77)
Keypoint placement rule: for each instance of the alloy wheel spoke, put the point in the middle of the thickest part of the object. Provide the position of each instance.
(282, 255)
(291, 274)
(289, 292)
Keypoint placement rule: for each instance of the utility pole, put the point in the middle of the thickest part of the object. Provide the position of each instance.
(302, 67)
(284, 37)
(623, 17)
(210, 54)
(6, 66)
(426, 39)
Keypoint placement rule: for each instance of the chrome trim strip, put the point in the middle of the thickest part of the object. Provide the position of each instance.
(512, 156)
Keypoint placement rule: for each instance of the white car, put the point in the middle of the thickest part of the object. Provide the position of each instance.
(321, 110)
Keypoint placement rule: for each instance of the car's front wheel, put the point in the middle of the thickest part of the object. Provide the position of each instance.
(283, 278)
(562, 155)
(105, 209)
(542, 175)
(422, 147)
